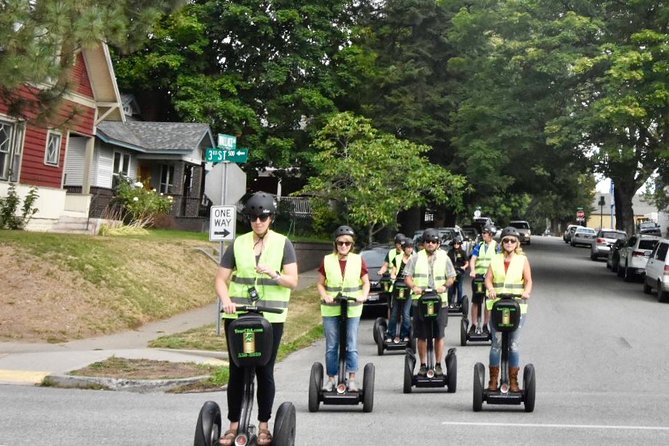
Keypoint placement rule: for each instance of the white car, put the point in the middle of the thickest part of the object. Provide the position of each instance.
(634, 255)
(657, 271)
(583, 236)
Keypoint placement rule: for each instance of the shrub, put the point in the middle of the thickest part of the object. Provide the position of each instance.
(141, 205)
(9, 205)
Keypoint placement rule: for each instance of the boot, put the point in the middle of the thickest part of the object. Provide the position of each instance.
(513, 379)
(494, 374)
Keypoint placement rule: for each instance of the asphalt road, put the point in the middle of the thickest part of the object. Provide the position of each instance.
(597, 343)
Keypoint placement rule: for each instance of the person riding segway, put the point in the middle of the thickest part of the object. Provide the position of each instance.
(260, 267)
(343, 285)
(478, 266)
(509, 284)
(458, 257)
(429, 274)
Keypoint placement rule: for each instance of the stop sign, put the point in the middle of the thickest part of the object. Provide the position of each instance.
(228, 176)
(580, 214)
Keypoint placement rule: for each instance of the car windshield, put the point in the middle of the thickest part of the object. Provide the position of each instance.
(520, 224)
(647, 244)
(585, 230)
(613, 234)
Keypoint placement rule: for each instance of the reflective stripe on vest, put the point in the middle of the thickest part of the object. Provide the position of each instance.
(484, 257)
(510, 281)
(245, 275)
(421, 272)
(349, 285)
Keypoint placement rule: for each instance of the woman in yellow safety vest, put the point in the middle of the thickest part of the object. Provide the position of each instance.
(262, 264)
(346, 273)
(509, 273)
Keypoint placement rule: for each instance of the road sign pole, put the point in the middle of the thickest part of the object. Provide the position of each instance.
(222, 249)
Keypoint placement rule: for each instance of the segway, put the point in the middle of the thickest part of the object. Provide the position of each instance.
(455, 308)
(479, 291)
(427, 311)
(340, 395)
(505, 318)
(250, 341)
(398, 296)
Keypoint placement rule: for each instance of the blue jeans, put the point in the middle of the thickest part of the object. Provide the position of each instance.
(331, 328)
(405, 329)
(514, 350)
(456, 289)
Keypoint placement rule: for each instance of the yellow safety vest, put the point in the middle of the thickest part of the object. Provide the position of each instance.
(483, 259)
(392, 254)
(421, 272)
(349, 285)
(245, 275)
(508, 282)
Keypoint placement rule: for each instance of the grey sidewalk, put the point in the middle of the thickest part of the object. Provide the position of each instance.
(30, 363)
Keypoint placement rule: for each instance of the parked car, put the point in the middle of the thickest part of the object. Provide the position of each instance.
(603, 242)
(472, 236)
(634, 255)
(568, 233)
(650, 228)
(377, 303)
(613, 258)
(524, 230)
(583, 236)
(657, 271)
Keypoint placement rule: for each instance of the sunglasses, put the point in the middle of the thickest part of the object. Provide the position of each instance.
(263, 218)
(432, 241)
(509, 240)
(343, 243)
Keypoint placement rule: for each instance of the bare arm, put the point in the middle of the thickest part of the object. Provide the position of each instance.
(365, 288)
(527, 278)
(472, 266)
(488, 283)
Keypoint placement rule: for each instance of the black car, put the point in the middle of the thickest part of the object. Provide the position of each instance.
(377, 303)
(613, 257)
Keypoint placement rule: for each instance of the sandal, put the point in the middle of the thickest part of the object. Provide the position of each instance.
(264, 437)
(228, 438)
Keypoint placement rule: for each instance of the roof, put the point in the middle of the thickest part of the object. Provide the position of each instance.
(155, 137)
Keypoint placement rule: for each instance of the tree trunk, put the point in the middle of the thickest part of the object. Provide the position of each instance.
(624, 211)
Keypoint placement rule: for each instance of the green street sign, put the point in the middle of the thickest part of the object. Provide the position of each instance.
(226, 141)
(219, 155)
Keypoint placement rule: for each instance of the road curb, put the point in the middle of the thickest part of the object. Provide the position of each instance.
(122, 384)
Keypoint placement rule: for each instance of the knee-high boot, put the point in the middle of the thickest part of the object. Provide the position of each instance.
(513, 379)
(493, 383)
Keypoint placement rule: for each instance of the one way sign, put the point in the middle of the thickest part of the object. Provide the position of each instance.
(222, 223)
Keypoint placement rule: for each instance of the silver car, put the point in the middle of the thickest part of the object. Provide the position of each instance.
(634, 255)
(604, 241)
(524, 230)
(656, 276)
(583, 236)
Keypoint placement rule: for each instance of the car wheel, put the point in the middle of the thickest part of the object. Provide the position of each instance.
(662, 296)
(646, 288)
(627, 274)
(619, 270)
(593, 256)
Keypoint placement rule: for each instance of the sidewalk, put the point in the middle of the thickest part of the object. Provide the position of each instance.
(30, 363)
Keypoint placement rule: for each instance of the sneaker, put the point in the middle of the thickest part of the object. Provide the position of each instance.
(389, 339)
(352, 386)
(423, 370)
(405, 339)
(396, 340)
(438, 371)
(472, 330)
(486, 332)
(329, 386)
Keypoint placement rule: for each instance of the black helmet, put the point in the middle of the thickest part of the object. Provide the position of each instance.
(489, 228)
(344, 230)
(260, 203)
(456, 240)
(399, 237)
(407, 242)
(431, 235)
(510, 231)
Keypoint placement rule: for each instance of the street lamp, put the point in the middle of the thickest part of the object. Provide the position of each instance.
(601, 211)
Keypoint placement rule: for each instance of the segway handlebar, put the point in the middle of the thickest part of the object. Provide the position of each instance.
(510, 296)
(257, 309)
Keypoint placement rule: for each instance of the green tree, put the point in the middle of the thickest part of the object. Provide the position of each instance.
(368, 176)
(40, 39)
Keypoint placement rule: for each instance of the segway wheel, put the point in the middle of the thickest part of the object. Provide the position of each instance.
(378, 322)
(479, 378)
(529, 387)
(463, 332)
(380, 347)
(315, 386)
(208, 428)
(368, 387)
(451, 371)
(465, 307)
(408, 373)
(284, 426)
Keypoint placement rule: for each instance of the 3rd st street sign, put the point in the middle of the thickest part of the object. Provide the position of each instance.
(222, 223)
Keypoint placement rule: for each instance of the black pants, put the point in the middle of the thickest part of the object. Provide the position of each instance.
(265, 385)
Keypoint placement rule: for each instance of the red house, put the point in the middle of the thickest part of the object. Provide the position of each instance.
(34, 153)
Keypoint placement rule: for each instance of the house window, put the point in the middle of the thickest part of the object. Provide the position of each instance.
(166, 178)
(121, 167)
(52, 154)
(11, 143)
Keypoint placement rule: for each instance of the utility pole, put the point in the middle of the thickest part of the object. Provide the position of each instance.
(601, 203)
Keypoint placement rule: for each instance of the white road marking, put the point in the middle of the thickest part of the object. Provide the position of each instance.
(558, 426)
